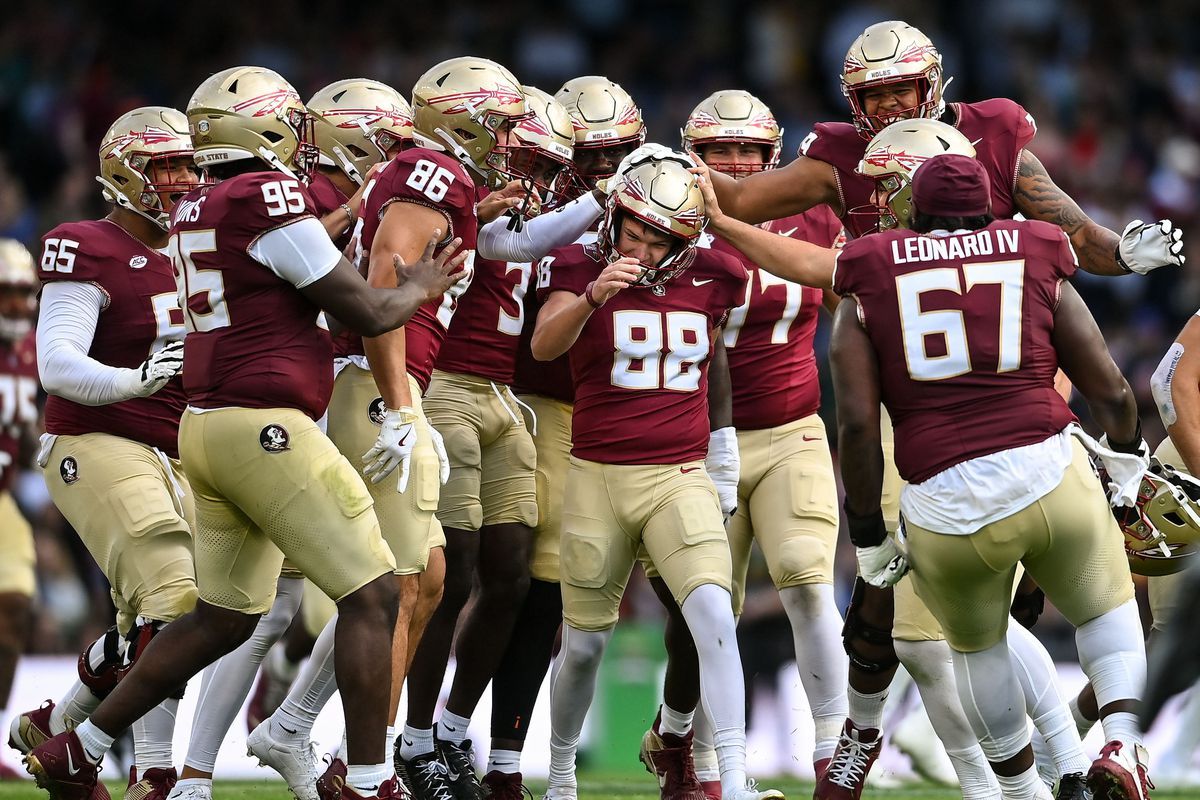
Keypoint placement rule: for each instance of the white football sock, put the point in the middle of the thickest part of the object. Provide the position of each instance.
(820, 658)
(993, 702)
(452, 728)
(309, 693)
(507, 762)
(75, 706)
(1112, 654)
(866, 710)
(676, 722)
(932, 668)
(415, 742)
(704, 755)
(228, 681)
(1026, 786)
(572, 686)
(152, 735)
(708, 611)
(367, 778)
(1122, 726)
(95, 741)
(1039, 683)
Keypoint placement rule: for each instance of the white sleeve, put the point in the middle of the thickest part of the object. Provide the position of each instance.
(299, 253)
(66, 327)
(540, 235)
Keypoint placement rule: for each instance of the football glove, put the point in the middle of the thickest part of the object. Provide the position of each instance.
(882, 565)
(439, 446)
(159, 368)
(1145, 247)
(1124, 469)
(724, 466)
(393, 449)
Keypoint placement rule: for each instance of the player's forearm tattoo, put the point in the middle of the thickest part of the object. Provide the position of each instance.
(1038, 197)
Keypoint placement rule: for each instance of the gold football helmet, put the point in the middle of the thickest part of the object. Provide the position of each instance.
(463, 106)
(739, 117)
(665, 195)
(137, 156)
(1162, 530)
(19, 278)
(251, 112)
(603, 115)
(892, 52)
(548, 139)
(357, 123)
(893, 156)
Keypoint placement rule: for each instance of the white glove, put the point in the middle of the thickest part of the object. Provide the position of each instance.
(439, 446)
(1145, 247)
(724, 467)
(393, 448)
(158, 369)
(882, 565)
(1124, 469)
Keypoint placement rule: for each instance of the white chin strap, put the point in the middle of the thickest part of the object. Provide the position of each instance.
(112, 195)
(347, 166)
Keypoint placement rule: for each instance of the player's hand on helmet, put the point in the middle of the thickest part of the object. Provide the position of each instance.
(435, 275)
(712, 209)
(393, 448)
(157, 370)
(1147, 246)
(723, 464)
(439, 447)
(615, 277)
(1123, 465)
(882, 565)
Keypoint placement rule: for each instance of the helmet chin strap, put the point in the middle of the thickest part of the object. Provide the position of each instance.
(446, 142)
(273, 161)
(347, 166)
(112, 195)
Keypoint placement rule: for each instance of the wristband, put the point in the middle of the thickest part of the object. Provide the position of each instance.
(868, 530)
(587, 295)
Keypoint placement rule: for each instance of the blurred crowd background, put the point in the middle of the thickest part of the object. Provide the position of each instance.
(1114, 87)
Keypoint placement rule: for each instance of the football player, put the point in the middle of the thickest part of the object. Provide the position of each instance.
(18, 421)
(785, 495)
(463, 110)
(640, 337)
(256, 267)
(356, 123)
(918, 328)
(607, 128)
(109, 347)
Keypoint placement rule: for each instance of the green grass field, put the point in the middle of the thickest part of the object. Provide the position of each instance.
(597, 787)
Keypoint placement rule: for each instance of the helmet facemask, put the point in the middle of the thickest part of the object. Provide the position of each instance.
(156, 198)
(677, 260)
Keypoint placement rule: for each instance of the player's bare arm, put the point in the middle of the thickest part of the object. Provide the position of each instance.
(1084, 357)
(1038, 197)
(404, 230)
(720, 387)
(776, 193)
(856, 387)
(564, 314)
(370, 312)
(1185, 397)
(341, 219)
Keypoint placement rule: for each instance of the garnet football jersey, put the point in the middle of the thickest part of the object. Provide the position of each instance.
(547, 378)
(640, 365)
(253, 339)
(436, 180)
(141, 314)
(326, 198)
(998, 128)
(769, 337)
(486, 330)
(18, 401)
(962, 328)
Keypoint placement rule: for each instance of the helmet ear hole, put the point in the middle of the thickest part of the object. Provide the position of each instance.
(356, 151)
(272, 137)
(464, 134)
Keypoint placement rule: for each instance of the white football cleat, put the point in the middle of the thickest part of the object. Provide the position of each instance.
(570, 792)
(752, 792)
(191, 792)
(295, 762)
(916, 738)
